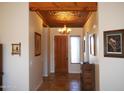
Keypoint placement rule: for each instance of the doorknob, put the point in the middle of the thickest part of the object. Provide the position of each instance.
(66, 58)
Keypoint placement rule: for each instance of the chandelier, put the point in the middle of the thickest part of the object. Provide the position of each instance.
(64, 30)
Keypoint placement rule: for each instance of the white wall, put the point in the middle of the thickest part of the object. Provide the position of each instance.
(111, 16)
(91, 27)
(36, 62)
(73, 68)
(45, 52)
(14, 29)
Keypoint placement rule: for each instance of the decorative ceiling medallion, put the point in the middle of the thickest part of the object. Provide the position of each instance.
(65, 15)
(72, 13)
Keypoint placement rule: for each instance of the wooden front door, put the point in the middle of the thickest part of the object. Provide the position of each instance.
(61, 54)
(1, 66)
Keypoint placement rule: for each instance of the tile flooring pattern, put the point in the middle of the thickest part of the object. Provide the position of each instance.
(61, 82)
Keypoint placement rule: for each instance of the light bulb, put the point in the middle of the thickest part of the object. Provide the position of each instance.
(59, 30)
(64, 30)
(68, 30)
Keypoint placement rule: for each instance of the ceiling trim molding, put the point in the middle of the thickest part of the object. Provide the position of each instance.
(44, 22)
(90, 13)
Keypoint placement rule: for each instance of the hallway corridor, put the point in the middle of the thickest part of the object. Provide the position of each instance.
(61, 82)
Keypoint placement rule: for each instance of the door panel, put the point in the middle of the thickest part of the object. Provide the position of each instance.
(1, 68)
(61, 54)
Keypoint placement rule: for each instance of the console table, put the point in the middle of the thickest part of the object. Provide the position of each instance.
(88, 77)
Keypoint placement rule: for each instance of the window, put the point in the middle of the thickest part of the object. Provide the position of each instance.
(75, 49)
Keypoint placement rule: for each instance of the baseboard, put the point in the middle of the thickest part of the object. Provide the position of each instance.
(39, 85)
(45, 75)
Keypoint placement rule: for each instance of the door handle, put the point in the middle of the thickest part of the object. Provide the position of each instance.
(66, 58)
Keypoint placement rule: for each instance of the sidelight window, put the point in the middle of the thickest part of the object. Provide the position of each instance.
(75, 49)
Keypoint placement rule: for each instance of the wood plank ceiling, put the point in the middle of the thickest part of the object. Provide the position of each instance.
(57, 14)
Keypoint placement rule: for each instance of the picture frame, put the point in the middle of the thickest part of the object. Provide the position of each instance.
(37, 37)
(113, 43)
(16, 49)
(84, 45)
(93, 44)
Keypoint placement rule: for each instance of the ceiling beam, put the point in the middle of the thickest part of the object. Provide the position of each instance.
(75, 4)
(55, 5)
(85, 9)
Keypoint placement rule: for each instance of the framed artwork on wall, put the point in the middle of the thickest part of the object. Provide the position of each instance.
(93, 44)
(37, 37)
(84, 46)
(16, 49)
(114, 43)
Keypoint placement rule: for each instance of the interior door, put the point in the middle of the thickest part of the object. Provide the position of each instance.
(61, 54)
(1, 66)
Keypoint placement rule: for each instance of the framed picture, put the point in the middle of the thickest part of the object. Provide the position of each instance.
(92, 45)
(37, 44)
(114, 43)
(84, 45)
(16, 49)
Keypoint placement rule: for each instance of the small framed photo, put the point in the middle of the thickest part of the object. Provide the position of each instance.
(93, 44)
(113, 43)
(16, 49)
(37, 44)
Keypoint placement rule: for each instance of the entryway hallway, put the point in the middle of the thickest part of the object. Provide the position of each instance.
(19, 23)
(61, 82)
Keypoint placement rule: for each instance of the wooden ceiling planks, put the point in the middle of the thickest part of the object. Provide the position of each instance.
(53, 22)
(68, 6)
(84, 8)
